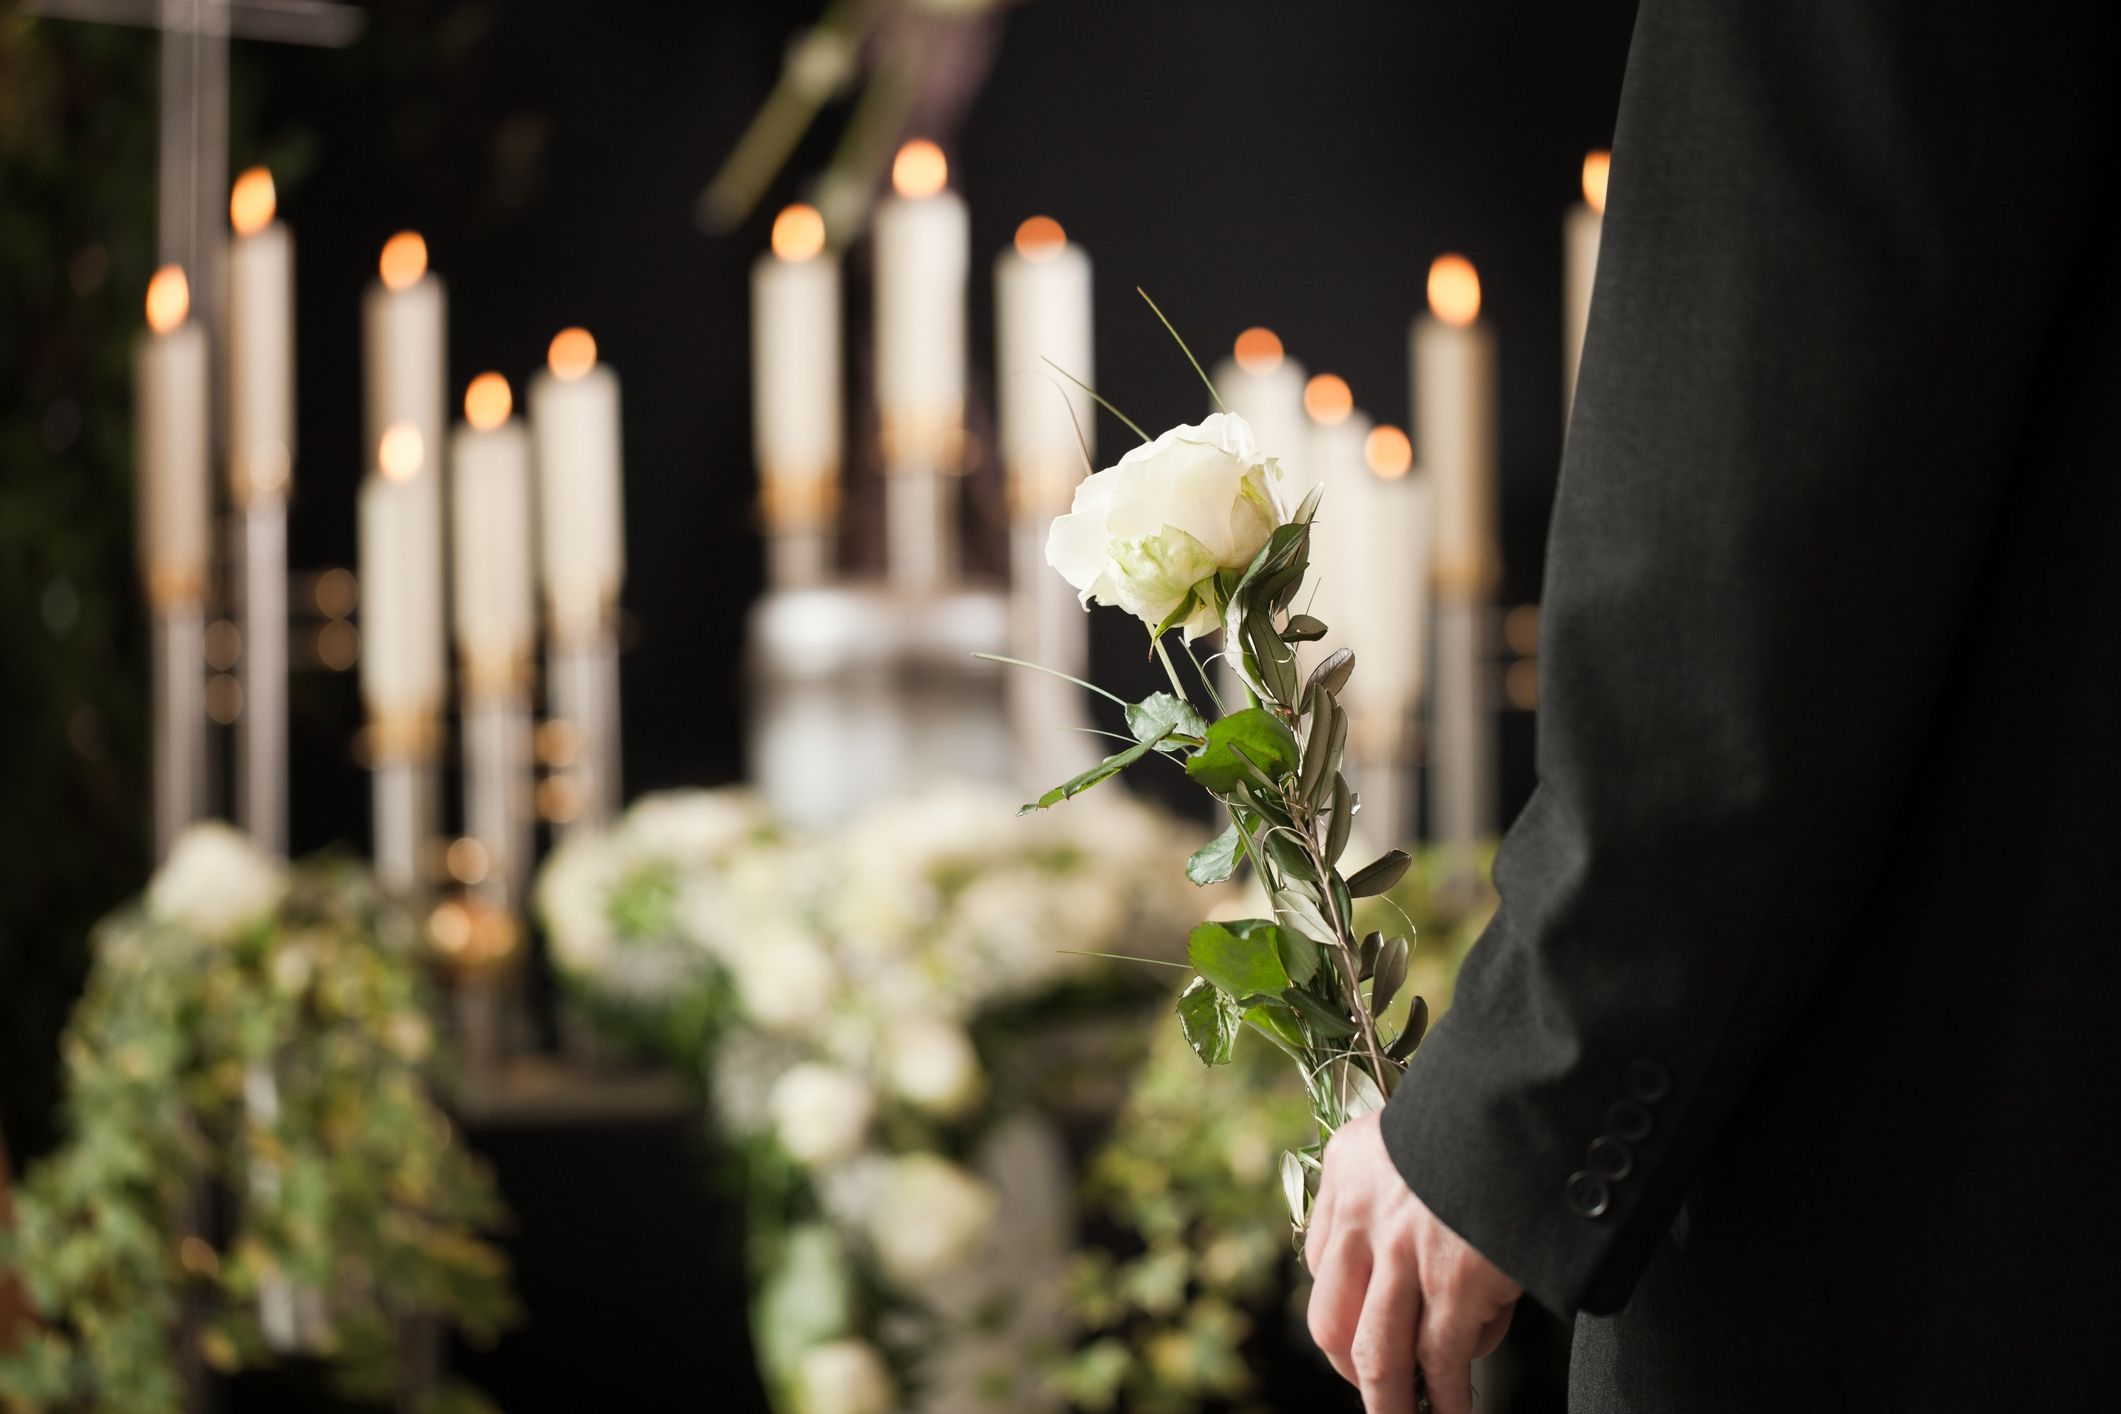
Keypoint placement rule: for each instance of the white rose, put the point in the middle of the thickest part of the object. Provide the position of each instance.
(820, 1113)
(844, 1377)
(931, 1063)
(215, 881)
(692, 824)
(783, 978)
(1144, 533)
(931, 1217)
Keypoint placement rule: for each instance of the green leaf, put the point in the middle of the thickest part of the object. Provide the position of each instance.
(1277, 1022)
(1104, 770)
(1309, 508)
(1209, 1020)
(1160, 718)
(1299, 956)
(1318, 739)
(1179, 615)
(1302, 628)
(1244, 959)
(1391, 972)
(1341, 820)
(1372, 943)
(1298, 912)
(1379, 874)
(1275, 660)
(1266, 741)
(1417, 1026)
(1323, 1019)
(1295, 1190)
(1332, 673)
(1216, 860)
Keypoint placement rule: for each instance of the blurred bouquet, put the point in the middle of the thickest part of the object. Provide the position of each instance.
(901, 1021)
(253, 1164)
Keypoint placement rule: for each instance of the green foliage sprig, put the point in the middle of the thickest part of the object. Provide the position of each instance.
(244, 1111)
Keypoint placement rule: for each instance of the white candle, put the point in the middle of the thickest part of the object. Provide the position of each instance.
(795, 369)
(170, 430)
(403, 317)
(1260, 384)
(1453, 355)
(261, 342)
(402, 662)
(1393, 569)
(495, 596)
(922, 253)
(1579, 266)
(1332, 451)
(574, 420)
(1042, 324)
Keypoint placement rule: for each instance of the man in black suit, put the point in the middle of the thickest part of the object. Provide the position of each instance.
(1790, 1057)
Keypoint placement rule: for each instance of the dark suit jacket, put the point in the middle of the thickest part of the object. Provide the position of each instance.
(1794, 1051)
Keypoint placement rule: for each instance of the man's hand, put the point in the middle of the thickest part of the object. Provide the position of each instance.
(1395, 1288)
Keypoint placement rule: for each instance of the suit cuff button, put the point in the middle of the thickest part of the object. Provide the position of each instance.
(1587, 1195)
(1648, 1081)
(1610, 1159)
(1629, 1121)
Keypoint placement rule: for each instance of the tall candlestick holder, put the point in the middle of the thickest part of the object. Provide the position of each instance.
(798, 515)
(1047, 626)
(178, 631)
(1384, 751)
(499, 812)
(583, 680)
(403, 780)
(922, 458)
(261, 730)
(1463, 777)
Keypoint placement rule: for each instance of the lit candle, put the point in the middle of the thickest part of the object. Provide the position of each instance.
(1393, 570)
(1579, 265)
(402, 662)
(496, 597)
(1332, 451)
(403, 317)
(170, 428)
(922, 243)
(796, 392)
(1042, 322)
(1453, 355)
(1263, 386)
(574, 420)
(261, 342)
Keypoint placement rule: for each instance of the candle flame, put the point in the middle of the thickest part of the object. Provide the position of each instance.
(168, 299)
(487, 402)
(1597, 167)
(1327, 398)
(798, 233)
(1258, 350)
(1040, 238)
(251, 202)
(920, 169)
(400, 453)
(1454, 290)
(404, 260)
(1387, 452)
(573, 353)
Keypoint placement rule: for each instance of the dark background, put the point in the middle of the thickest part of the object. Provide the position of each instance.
(1296, 165)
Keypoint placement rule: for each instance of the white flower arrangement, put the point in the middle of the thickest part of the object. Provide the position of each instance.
(853, 1061)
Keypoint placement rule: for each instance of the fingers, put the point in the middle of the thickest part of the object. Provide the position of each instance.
(1343, 1276)
(1444, 1350)
(1492, 1333)
(1384, 1349)
(1319, 1231)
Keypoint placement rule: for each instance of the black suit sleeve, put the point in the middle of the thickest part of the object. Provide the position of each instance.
(1837, 233)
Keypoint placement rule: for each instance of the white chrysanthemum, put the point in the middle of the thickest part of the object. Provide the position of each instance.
(215, 881)
(1142, 534)
(930, 1063)
(692, 824)
(783, 978)
(820, 1113)
(844, 1377)
(930, 1218)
